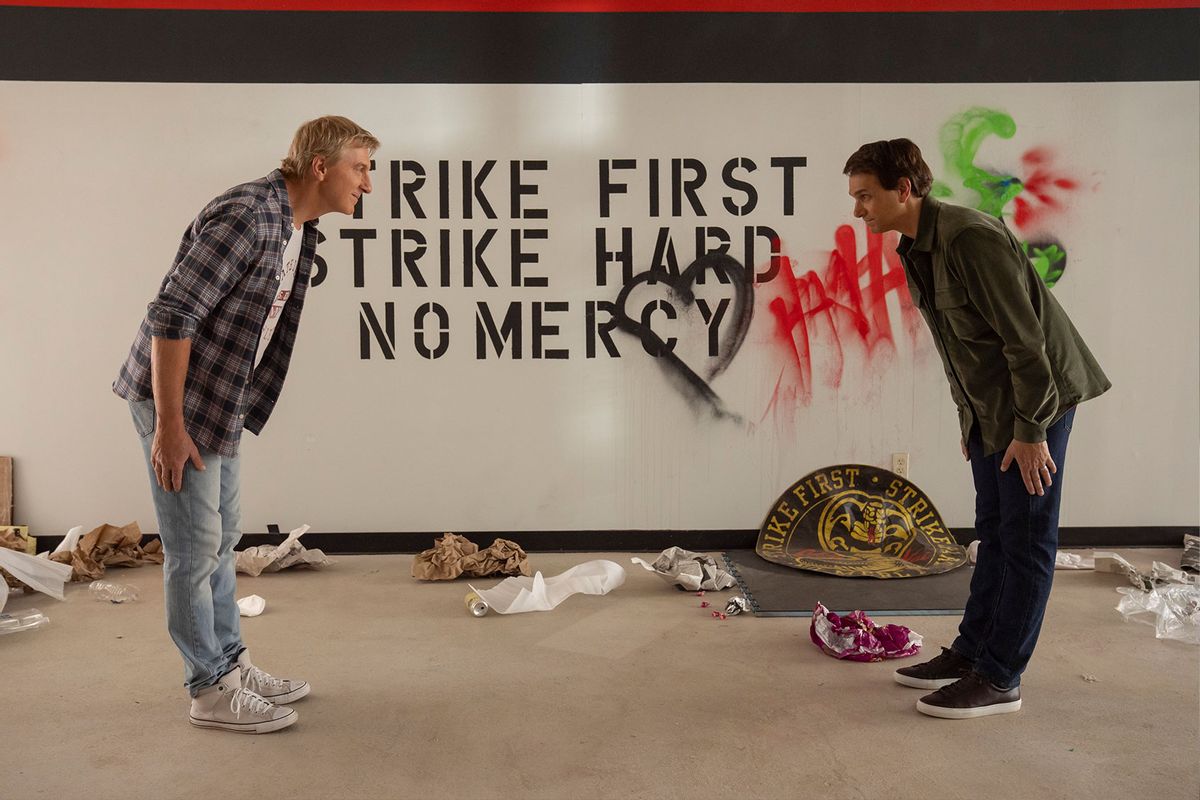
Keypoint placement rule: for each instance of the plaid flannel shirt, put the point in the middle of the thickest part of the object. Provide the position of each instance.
(218, 293)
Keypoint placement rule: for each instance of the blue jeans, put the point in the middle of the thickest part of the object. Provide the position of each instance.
(199, 526)
(1018, 541)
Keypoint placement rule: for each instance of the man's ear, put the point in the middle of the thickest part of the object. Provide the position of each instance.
(317, 168)
(904, 187)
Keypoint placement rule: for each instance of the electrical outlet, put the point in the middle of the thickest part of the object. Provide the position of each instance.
(900, 464)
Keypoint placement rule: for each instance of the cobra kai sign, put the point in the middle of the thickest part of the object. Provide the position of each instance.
(858, 521)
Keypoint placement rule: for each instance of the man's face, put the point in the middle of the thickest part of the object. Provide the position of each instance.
(880, 208)
(346, 179)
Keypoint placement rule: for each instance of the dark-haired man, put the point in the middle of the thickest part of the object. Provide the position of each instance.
(1017, 369)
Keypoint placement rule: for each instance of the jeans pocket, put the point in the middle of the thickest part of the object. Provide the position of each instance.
(143, 415)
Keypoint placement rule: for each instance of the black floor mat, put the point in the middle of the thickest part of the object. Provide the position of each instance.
(774, 590)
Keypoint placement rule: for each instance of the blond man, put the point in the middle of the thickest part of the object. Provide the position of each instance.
(208, 362)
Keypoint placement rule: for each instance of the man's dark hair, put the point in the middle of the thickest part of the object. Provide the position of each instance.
(889, 161)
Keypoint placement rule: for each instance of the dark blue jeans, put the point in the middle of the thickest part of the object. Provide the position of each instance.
(1018, 540)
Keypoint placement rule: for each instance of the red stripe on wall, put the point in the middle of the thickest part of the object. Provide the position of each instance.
(626, 6)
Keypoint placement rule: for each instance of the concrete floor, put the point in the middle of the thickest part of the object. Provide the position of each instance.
(639, 694)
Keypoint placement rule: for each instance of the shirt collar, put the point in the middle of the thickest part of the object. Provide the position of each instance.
(279, 186)
(926, 226)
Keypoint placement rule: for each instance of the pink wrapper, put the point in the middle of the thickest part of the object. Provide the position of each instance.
(855, 637)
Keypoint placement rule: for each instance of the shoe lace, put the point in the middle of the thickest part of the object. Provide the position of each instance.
(963, 685)
(947, 655)
(261, 679)
(244, 699)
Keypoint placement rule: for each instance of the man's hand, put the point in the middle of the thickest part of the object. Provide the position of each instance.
(966, 453)
(1035, 463)
(170, 450)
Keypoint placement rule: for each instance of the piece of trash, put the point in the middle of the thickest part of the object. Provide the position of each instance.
(855, 637)
(736, 605)
(700, 593)
(688, 570)
(1073, 561)
(1160, 573)
(1173, 609)
(102, 547)
(1164, 573)
(453, 555)
(704, 604)
(18, 621)
(16, 537)
(1190, 560)
(1090, 678)
(254, 561)
(718, 615)
(38, 574)
(475, 605)
(69, 541)
(518, 595)
(251, 606)
(1062, 560)
(113, 592)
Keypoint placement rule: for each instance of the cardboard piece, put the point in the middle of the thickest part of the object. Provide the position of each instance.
(6, 490)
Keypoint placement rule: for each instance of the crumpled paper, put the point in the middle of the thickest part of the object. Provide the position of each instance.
(103, 547)
(518, 595)
(855, 637)
(254, 561)
(453, 555)
(251, 605)
(11, 538)
(688, 570)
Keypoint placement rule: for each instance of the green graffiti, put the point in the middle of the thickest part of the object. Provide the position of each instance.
(960, 139)
(1049, 261)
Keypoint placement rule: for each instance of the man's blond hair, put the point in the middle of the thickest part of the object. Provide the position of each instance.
(327, 137)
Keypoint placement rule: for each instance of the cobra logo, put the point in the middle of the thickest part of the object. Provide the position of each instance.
(856, 522)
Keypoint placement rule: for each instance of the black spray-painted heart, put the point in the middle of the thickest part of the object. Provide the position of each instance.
(696, 388)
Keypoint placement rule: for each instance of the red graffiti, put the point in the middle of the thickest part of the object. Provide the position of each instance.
(1041, 185)
(836, 309)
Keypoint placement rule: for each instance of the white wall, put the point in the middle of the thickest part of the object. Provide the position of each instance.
(97, 182)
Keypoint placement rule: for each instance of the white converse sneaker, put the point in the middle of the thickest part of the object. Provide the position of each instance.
(226, 705)
(275, 690)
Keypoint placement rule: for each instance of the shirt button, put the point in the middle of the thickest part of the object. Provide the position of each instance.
(241, 416)
(276, 277)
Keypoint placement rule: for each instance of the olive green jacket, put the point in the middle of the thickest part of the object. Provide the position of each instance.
(1014, 360)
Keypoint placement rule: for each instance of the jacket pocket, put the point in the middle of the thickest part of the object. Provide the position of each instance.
(949, 297)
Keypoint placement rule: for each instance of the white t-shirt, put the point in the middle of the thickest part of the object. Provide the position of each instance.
(287, 279)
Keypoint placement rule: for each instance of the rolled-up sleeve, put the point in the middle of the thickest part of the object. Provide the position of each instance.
(993, 271)
(204, 273)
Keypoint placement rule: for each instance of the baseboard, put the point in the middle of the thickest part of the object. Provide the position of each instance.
(656, 540)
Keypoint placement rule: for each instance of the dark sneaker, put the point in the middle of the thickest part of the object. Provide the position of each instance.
(973, 696)
(941, 671)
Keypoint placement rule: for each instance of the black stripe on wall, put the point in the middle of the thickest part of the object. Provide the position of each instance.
(653, 541)
(65, 44)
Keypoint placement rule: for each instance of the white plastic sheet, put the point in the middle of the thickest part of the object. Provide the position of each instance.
(69, 541)
(1173, 610)
(521, 594)
(40, 574)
